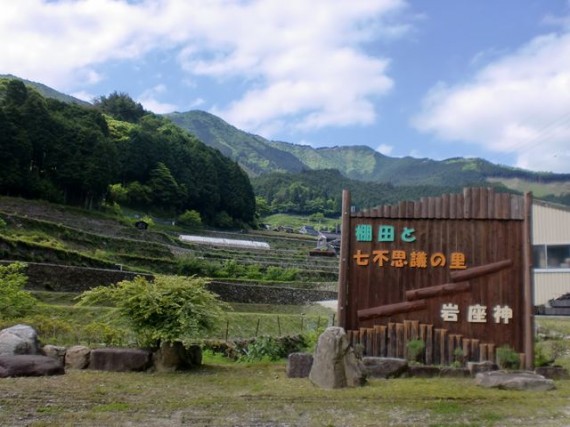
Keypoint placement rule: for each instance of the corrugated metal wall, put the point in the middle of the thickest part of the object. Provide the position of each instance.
(550, 225)
(550, 285)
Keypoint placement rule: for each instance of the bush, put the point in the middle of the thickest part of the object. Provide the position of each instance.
(415, 349)
(190, 219)
(14, 300)
(507, 358)
(171, 309)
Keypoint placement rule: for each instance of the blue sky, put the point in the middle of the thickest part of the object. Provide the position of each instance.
(421, 78)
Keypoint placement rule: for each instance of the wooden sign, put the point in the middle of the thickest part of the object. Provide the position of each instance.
(453, 271)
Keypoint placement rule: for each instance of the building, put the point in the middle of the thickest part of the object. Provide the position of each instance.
(551, 251)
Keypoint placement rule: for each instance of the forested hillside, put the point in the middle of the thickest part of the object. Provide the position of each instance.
(320, 191)
(114, 151)
(260, 156)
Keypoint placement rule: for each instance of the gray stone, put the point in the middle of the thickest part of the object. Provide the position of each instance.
(335, 365)
(77, 357)
(55, 351)
(450, 372)
(29, 365)
(19, 339)
(299, 365)
(514, 380)
(172, 357)
(384, 367)
(423, 371)
(553, 372)
(120, 359)
(477, 367)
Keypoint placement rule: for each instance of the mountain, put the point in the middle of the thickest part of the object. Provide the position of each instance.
(255, 154)
(47, 91)
(258, 156)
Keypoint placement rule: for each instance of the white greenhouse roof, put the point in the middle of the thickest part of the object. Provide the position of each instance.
(216, 241)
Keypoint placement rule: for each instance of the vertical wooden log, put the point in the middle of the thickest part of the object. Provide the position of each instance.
(383, 348)
(392, 341)
(528, 296)
(466, 347)
(414, 332)
(400, 340)
(451, 342)
(342, 304)
(370, 342)
(453, 206)
(467, 203)
(443, 346)
(475, 355)
(363, 339)
(491, 353)
(407, 336)
(429, 344)
(483, 355)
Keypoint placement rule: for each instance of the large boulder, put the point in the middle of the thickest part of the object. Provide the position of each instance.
(120, 359)
(299, 365)
(19, 339)
(335, 364)
(175, 356)
(55, 351)
(384, 367)
(77, 357)
(514, 380)
(29, 365)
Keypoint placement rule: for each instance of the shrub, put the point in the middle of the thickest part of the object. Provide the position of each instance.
(415, 349)
(190, 219)
(170, 309)
(14, 300)
(507, 358)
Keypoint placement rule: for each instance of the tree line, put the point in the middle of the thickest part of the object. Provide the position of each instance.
(114, 151)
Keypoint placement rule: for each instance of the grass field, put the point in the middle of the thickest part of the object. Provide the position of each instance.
(219, 394)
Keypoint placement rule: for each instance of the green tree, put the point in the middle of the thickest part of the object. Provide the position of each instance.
(190, 219)
(14, 300)
(170, 309)
(120, 106)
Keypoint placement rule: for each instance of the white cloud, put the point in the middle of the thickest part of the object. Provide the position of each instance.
(385, 149)
(304, 61)
(149, 100)
(518, 104)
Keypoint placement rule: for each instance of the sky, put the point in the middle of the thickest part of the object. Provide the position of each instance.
(424, 78)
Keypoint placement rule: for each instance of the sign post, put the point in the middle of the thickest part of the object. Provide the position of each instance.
(453, 271)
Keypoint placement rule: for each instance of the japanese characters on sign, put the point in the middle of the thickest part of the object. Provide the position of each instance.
(400, 257)
(476, 313)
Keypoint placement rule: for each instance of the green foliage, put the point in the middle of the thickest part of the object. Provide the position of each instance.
(121, 107)
(170, 309)
(71, 154)
(190, 218)
(265, 348)
(14, 300)
(507, 357)
(2, 223)
(415, 349)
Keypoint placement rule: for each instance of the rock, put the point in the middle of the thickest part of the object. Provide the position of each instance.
(384, 367)
(553, 372)
(423, 371)
(55, 351)
(450, 372)
(335, 365)
(19, 339)
(515, 380)
(77, 357)
(299, 365)
(485, 366)
(120, 359)
(29, 365)
(172, 357)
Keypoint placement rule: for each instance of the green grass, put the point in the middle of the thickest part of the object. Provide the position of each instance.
(240, 394)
